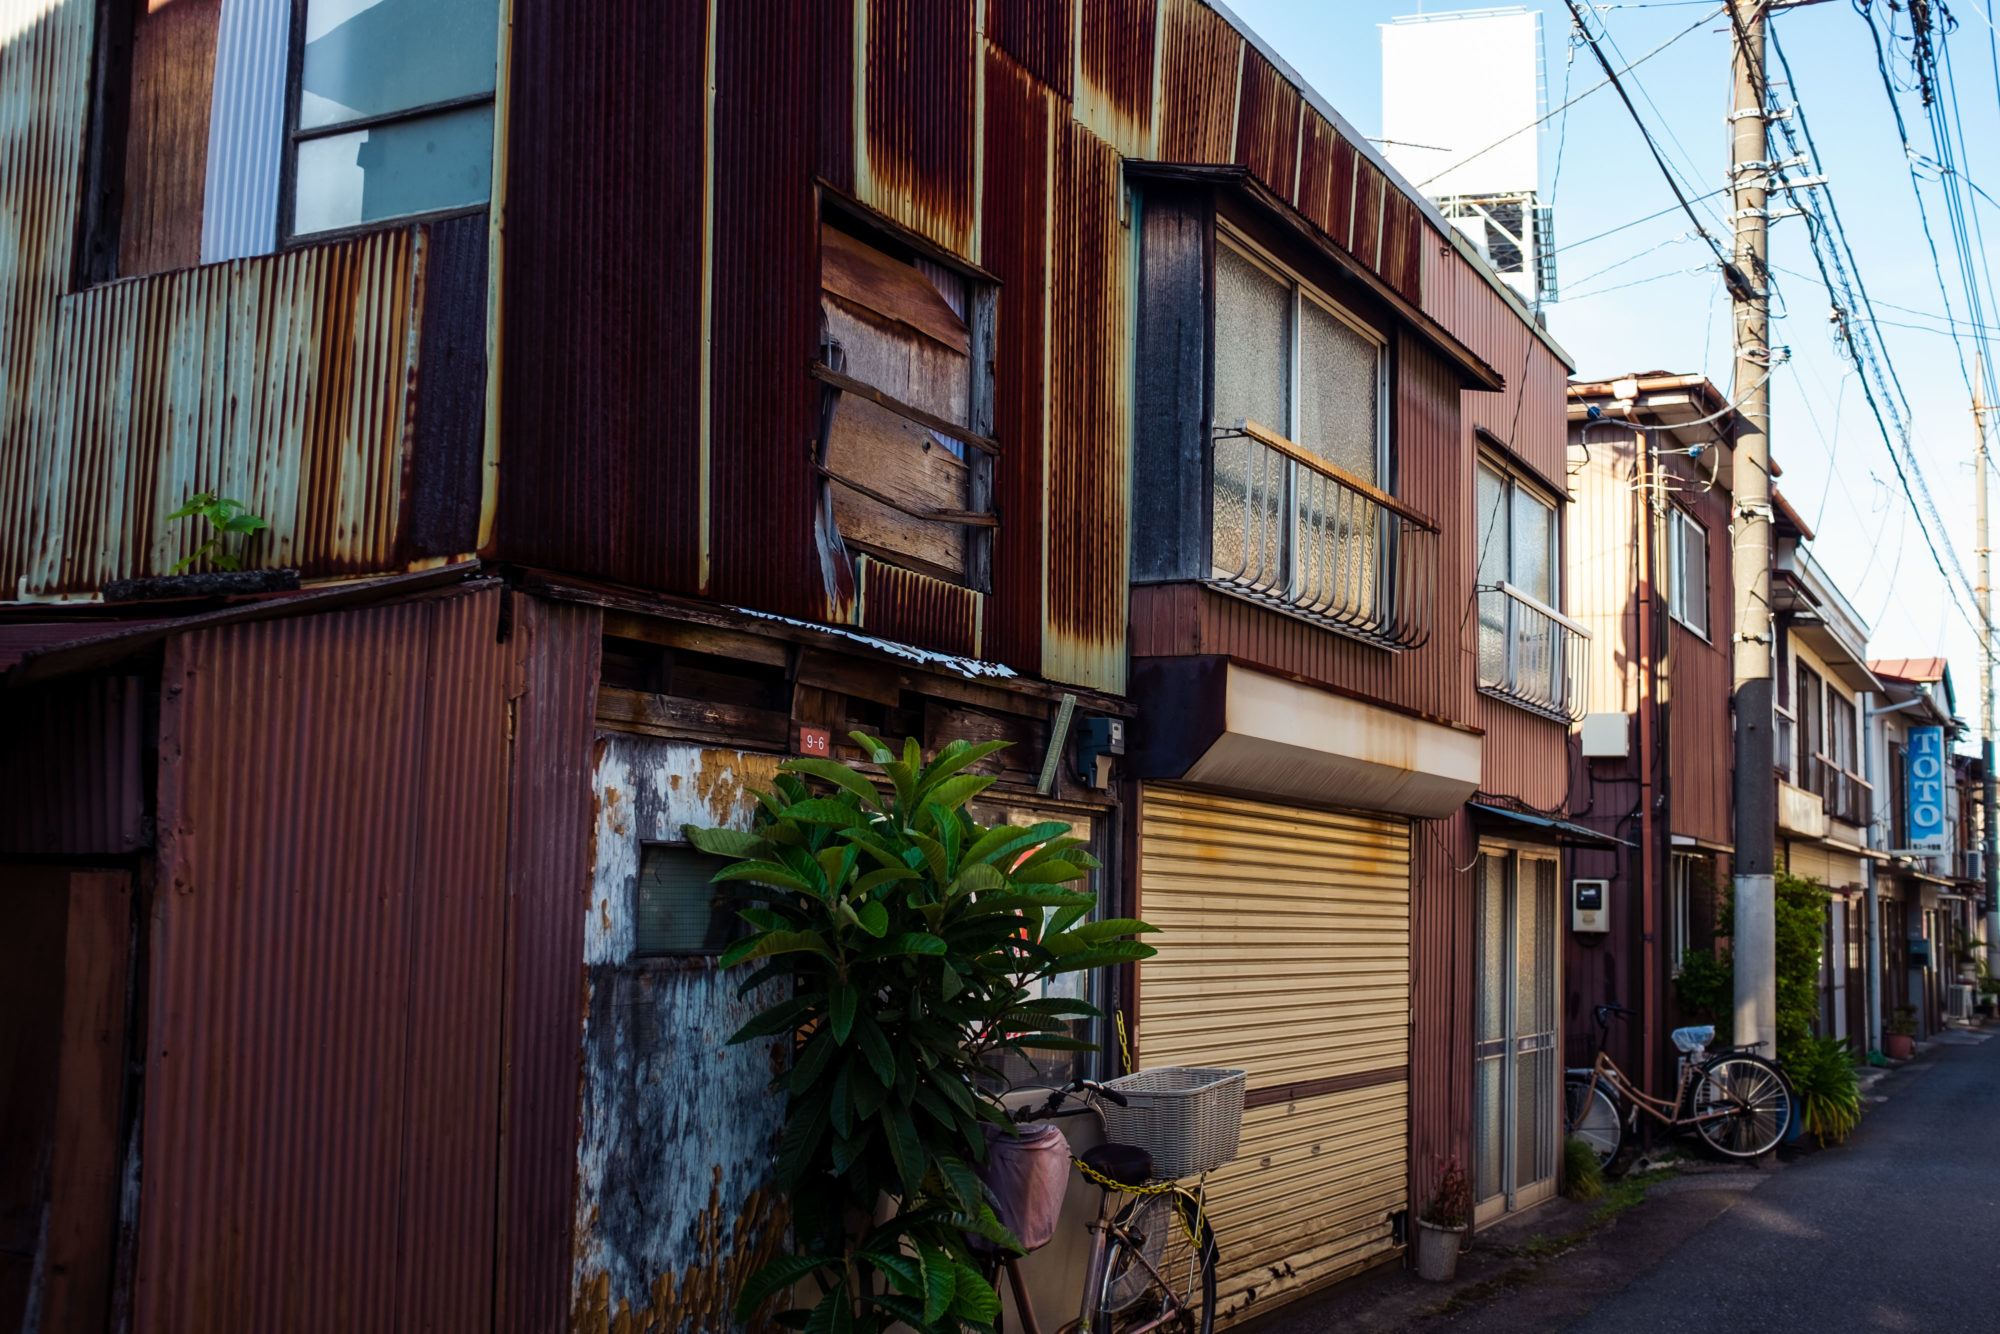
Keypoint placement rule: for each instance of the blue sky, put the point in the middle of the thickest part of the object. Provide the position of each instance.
(1641, 299)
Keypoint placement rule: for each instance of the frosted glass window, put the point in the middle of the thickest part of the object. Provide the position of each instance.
(375, 57)
(679, 910)
(398, 170)
(1534, 546)
(1339, 383)
(1687, 557)
(1253, 344)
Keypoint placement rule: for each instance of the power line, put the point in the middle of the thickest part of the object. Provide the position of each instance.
(1738, 284)
(1862, 338)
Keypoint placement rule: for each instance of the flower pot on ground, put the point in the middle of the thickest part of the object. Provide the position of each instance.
(1899, 1043)
(1441, 1227)
(1437, 1251)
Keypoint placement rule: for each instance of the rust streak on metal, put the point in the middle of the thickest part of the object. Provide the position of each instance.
(701, 1297)
(918, 117)
(1201, 63)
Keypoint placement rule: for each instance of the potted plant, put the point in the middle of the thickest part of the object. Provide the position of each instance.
(1900, 1042)
(1441, 1227)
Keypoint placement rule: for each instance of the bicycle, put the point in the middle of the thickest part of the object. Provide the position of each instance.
(1152, 1259)
(1738, 1102)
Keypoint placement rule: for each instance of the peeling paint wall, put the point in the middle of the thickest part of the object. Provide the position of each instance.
(674, 1206)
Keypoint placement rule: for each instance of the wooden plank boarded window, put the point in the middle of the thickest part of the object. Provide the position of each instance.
(901, 328)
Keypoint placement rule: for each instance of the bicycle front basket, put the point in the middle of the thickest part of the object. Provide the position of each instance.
(1188, 1117)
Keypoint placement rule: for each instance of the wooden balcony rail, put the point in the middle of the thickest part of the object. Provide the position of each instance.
(1531, 654)
(1296, 531)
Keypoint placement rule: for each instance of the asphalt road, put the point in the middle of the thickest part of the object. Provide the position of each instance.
(1898, 1230)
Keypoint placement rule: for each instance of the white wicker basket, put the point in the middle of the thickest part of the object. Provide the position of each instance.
(1188, 1118)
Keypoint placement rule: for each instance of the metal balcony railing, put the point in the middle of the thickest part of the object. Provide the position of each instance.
(1845, 794)
(1530, 653)
(1296, 531)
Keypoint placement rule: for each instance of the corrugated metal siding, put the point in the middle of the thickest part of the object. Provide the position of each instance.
(283, 382)
(1524, 755)
(246, 133)
(1267, 125)
(1117, 40)
(166, 150)
(1037, 34)
(1015, 225)
(1442, 985)
(834, 31)
(322, 1072)
(919, 164)
(1201, 61)
(45, 63)
(549, 841)
(766, 309)
(1326, 179)
(909, 608)
(1303, 917)
(1460, 299)
(75, 781)
(1090, 421)
(1701, 735)
(601, 448)
(448, 417)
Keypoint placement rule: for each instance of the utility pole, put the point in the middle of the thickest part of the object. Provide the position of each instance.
(1755, 929)
(1987, 871)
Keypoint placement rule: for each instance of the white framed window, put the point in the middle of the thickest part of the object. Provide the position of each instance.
(1682, 871)
(1526, 645)
(1687, 571)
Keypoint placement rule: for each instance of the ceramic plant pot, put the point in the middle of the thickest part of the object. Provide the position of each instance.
(1437, 1251)
(1898, 1046)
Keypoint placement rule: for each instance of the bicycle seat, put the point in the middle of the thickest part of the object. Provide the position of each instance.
(1127, 1164)
(1693, 1040)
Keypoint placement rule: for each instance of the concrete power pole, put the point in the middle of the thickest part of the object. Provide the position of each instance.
(1755, 929)
(1987, 870)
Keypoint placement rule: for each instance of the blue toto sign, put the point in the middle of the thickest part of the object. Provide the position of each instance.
(1926, 784)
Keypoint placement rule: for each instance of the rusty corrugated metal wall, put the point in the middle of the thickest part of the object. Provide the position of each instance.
(1701, 734)
(284, 381)
(917, 161)
(549, 842)
(75, 778)
(332, 940)
(601, 375)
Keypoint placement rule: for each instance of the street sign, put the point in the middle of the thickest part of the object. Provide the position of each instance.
(1926, 789)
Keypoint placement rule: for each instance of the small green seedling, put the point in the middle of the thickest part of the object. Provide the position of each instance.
(228, 518)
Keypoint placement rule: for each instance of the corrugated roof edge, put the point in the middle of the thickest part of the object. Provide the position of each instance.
(1374, 156)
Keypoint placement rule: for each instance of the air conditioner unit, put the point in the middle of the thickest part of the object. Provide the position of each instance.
(1959, 1001)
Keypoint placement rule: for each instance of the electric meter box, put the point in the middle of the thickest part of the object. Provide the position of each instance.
(1590, 906)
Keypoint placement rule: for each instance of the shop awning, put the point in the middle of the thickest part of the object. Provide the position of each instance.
(1572, 831)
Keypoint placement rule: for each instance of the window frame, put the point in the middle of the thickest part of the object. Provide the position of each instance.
(1516, 481)
(738, 928)
(982, 319)
(1303, 289)
(288, 237)
(1679, 523)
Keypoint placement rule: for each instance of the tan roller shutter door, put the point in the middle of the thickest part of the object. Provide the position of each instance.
(1285, 950)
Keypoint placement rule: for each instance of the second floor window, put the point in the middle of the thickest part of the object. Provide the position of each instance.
(230, 128)
(393, 114)
(1687, 571)
(1300, 510)
(1527, 648)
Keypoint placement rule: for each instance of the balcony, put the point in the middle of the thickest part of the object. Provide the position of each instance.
(1843, 793)
(1299, 533)
(1530, 654)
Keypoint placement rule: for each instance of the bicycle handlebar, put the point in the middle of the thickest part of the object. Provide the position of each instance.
(1051, 1105)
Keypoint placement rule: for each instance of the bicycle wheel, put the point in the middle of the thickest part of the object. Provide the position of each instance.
(1741, 1105)
(1170, 1244)
(1591, 1114)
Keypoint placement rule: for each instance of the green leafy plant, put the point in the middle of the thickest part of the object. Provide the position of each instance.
(1583, 1177)
(1799, 910)
(1451, 1202)
(1706, 985)
(1824, 1082)
(1904, 1022)
(226, 519)
(916, 942)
